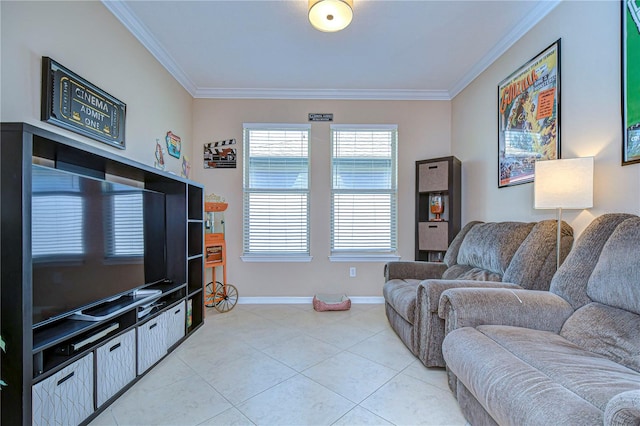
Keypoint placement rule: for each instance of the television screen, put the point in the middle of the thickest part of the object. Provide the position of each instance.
(92, 240)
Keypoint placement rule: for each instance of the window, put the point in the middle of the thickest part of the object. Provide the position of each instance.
(363, 190)
(276, 192)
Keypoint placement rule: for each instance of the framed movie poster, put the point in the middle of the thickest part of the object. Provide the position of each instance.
(630, 82)
(529, 117)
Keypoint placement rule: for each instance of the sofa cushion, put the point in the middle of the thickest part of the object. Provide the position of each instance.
(451, 256)
(466, 272)
(401, 295)
(548, 379)
(615, 280)
(491, 246)
(534, 263)
(570, 281)
(608, 331)
(478, 274)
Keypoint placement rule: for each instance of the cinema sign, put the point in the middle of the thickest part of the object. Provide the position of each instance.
(71, 102)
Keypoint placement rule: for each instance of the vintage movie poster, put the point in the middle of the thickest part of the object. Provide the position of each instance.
(529, 117)
(631, 81)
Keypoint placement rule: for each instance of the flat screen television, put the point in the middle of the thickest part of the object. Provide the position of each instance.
(92, 241)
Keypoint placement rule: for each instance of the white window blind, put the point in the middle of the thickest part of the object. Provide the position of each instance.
(364, 189)
(276, 190)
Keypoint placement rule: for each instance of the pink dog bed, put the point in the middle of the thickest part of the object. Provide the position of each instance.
(331, 302)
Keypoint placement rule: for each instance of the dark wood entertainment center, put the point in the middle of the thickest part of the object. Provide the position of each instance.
(38, 359)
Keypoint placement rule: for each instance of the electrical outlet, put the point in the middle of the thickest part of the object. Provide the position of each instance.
(352, 271)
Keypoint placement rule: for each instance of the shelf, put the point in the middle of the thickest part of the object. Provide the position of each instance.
(167, 287)
(195, 199)
(45, 337)
(438, 176)
(55, 346)
(195, 237)
(35, 354)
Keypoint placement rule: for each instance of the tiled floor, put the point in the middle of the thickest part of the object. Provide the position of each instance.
(289, 365)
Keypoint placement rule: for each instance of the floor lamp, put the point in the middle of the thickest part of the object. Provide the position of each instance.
(563, 184)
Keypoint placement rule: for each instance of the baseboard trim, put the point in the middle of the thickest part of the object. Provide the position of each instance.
(300, 300)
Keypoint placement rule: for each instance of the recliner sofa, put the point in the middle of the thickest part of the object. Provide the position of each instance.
(570, 355)
(504, 254)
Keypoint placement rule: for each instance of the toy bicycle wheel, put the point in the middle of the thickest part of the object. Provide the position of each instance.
(225, 300)
(209, 294)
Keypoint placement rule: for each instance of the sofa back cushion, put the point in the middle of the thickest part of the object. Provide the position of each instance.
(467, 272)
(608, 331)
(534, 263)
(451, 256)
(490, 247)
(570, 281)
(615, 280)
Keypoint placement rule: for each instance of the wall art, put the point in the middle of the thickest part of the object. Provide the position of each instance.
(186, 167)
(71, 102)
(630, 82)
(220, 155)
(159, 156)
(174, 144)
(529, 117)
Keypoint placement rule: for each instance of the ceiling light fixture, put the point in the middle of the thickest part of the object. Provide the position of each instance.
(330, 15)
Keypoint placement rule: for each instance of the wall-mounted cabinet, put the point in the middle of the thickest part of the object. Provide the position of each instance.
(438, 185)
(71, 356)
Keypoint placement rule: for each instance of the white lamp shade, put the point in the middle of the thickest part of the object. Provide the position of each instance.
(330, 15)
(565, 184)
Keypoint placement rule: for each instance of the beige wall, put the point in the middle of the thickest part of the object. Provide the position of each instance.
(590, 123)
(86, 38)
(424, 132)
(96, 46)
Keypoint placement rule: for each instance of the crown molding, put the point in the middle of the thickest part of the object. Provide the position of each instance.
(541, 10)
(333, 94)
(124, 14)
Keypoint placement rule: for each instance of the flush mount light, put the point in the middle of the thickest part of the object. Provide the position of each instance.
(330, 15)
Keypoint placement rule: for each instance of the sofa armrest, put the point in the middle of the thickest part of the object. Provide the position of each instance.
(413, 270)
(429, 329)
(470, 307)
(623, 409)
(429, 291)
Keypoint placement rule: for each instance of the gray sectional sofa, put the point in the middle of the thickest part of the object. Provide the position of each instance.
(567, 356)
(506, 254)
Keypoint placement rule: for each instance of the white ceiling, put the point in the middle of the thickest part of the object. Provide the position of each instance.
(393, 49)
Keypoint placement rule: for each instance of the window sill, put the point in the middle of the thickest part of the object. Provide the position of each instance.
(364, 258)
(272, 259)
